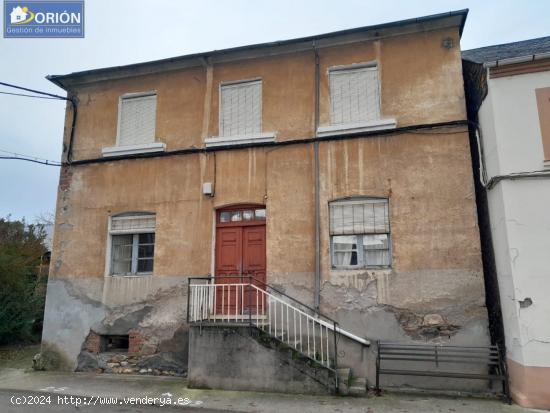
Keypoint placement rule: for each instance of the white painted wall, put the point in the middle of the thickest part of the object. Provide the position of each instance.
(520, 213)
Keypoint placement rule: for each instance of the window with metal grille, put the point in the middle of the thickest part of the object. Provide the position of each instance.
(137, 119)
(132, 244)
(354, 95)
(241, 108)
(360, 233)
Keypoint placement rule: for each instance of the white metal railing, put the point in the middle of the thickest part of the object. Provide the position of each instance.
(309, 334)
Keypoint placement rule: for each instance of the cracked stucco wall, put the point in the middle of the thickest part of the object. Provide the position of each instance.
(434, 290)
(74, 307)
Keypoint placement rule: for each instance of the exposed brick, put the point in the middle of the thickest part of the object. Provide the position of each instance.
(134, 342)
(65, 178)
(93, 342)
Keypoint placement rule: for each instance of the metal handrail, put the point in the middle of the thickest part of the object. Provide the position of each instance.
(334, 323)
(267, 286)
(207, 303)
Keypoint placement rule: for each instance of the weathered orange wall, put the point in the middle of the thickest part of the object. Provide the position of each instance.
(421, 82)
(436, 269)
(180, 97)
(426, 175)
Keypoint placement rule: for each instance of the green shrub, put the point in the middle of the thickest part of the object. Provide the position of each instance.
(22, 279)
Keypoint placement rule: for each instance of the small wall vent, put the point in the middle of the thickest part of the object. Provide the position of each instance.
(117, 343)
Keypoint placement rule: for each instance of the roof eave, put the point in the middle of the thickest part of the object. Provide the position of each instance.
(375, 32)
(516, 60)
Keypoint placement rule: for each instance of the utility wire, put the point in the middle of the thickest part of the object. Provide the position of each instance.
(34, 91)
(29, 96)
(52, 95)
(17, 158)
(28, 158)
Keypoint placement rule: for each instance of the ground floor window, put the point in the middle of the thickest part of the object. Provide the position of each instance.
(132, 244)
(360, 233)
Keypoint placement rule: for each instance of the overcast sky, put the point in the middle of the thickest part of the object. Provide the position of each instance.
(128, 31)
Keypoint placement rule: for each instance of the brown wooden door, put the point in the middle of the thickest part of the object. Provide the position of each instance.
(254, 264)
(240, 252)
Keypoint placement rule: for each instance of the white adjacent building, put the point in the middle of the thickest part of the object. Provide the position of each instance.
(513, 133)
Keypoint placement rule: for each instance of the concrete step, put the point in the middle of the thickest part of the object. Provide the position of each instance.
(295, 344)
(344, 375)
(358, 386)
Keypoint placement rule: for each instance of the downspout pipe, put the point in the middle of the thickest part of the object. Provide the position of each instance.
(317, 281)
(73, 124)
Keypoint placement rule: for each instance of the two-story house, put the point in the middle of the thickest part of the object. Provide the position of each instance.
(334, 171)
(509, 88)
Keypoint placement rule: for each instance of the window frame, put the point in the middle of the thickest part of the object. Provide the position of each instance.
(369, 66)
(135, 95)
(135, 232)
(361, 263)
(237, 83)
(134, 259)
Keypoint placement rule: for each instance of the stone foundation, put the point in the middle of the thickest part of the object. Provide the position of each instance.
(126, 363)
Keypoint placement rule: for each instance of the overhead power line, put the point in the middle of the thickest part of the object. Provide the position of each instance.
(28, 158)
(34, 91)
(51, 95)
(28, 96)
(45, 95)
(18, 158)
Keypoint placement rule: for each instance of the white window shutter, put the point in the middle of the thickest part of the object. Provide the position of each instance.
(241, 109)
(137, 120)
(359, 216)
(354, 95)
(133, 223)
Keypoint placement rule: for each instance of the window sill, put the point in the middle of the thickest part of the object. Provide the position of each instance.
(349, 128)
(240, 139)
(361, 267)
(546, 164)
(134, 149)
(139, 275)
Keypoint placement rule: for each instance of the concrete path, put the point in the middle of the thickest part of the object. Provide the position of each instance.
(173, 392)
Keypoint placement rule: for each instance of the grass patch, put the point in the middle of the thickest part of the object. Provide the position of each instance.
(18, 356)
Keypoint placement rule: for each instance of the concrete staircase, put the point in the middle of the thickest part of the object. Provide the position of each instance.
(233, 357)
(301, 332)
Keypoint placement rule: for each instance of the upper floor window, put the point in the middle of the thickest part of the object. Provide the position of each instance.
(240, 119)
(354, 95)
(360, 233)
(241, 108)
(132, 244)
(137, 119)
(354, 101)
(137, 115)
